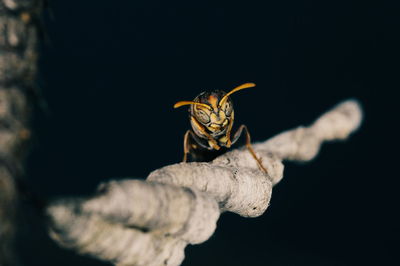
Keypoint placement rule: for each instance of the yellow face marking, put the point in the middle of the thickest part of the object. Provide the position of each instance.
(222, 115)
(217, 123)
(213, 101)
(218, 119)
(214, 118)
(214, 128)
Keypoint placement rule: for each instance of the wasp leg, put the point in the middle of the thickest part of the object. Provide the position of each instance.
(187, 146)
(248, 145)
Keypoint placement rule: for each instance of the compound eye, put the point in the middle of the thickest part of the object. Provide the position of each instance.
(228, 108)
(202, 116)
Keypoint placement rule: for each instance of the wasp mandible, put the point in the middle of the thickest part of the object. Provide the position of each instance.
(211, 117)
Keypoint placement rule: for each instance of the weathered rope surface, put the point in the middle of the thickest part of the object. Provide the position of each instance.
(18, 55)
(135, 222)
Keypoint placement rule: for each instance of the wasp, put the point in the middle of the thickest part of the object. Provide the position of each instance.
(211, 116)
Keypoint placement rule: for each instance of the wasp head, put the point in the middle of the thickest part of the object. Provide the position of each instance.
(212, 111)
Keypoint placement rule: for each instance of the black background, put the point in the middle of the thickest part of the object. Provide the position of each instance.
(112, 70)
